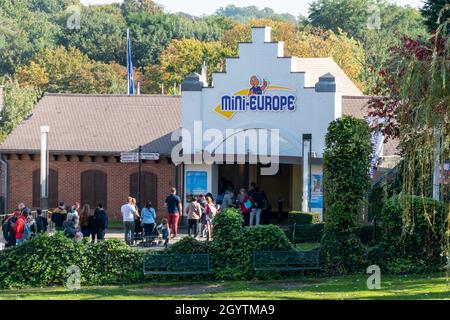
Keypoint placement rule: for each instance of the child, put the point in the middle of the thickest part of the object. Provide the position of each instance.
(164, 227)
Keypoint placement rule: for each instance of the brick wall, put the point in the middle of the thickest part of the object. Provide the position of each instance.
(20, 187)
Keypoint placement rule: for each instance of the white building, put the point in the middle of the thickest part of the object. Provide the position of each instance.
(298, 97)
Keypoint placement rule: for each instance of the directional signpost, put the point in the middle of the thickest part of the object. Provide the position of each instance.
(136, 157)
(133, 157)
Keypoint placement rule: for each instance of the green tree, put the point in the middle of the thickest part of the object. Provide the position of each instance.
(18, 103)
(347, 15)
(136, 6)
(346, 184)
(24, 33)
(376, 24)
(186, 56)
(69, 70)
(431, 11)
(102, 34)
(51, 6)
(151, 34)
(244, 14)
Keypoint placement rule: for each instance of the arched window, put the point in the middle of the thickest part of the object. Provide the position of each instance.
(52, 188)
(93, 188)
(148, 187)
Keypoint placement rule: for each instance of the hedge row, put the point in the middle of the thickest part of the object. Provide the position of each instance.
(415, 234)
(314, 233)
(45, 259)
(300, 217)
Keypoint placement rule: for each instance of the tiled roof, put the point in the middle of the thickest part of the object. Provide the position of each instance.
(357, 107)
(110, 124)
(317, 67)
(99, 124)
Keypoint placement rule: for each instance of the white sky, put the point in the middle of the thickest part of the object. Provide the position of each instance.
(199, 7)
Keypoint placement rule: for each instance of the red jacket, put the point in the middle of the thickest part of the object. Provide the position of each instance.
(18, 227)
(243, 208)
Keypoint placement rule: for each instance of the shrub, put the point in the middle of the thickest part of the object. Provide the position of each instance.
(342, 253)
(233, 245)
(346, 183)
(366, 233)
(307, 233)
(43, 261)
(299, 217)
(112, 262)
(188, 245)
(414, 235)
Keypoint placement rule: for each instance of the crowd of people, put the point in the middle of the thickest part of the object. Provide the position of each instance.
(139, 223)
(202, 210)
(21, 225)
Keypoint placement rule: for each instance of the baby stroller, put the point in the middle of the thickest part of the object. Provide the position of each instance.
(149, 240)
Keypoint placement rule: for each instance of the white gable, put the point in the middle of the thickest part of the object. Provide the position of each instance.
(284, 99)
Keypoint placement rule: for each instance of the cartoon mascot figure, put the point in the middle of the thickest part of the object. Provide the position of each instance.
(256, 88)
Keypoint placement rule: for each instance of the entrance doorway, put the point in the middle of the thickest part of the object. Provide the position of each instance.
(282, 189)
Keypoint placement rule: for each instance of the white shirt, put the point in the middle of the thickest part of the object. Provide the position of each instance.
(128, 212)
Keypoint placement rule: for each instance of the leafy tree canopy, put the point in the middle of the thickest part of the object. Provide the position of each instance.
(431, 11)
(69, 70)
(244, 14)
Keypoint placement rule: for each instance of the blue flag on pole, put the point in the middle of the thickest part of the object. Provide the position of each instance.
(129, 65)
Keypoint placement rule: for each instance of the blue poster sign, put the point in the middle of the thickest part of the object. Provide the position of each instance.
(316, 193)
(196, 183)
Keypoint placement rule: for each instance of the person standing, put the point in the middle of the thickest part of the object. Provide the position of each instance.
(228, 200)
(245, 204)
(8, 231)
(211, 212)
(174, 209)
(194, 213)
(41, 222)
(256, 198)
(59, 215)
(84, 222)
(138, 230)
(20, 226)
(99, 223)
(148, 215)
(128, 213)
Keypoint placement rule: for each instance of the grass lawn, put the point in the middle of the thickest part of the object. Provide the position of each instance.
(436, 286)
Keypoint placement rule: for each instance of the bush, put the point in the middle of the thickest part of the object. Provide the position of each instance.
(299, 217)
(366, 233)
(307, 232)
(342, 253)
(232, 246)
(43, 261)
(112, 262)
(414, 235)
(346, 183)
(188, 245)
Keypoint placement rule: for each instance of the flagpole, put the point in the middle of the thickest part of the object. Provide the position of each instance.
(128, 76)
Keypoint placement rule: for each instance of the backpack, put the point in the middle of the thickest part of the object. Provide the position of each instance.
(26, 233)
(40, 224)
